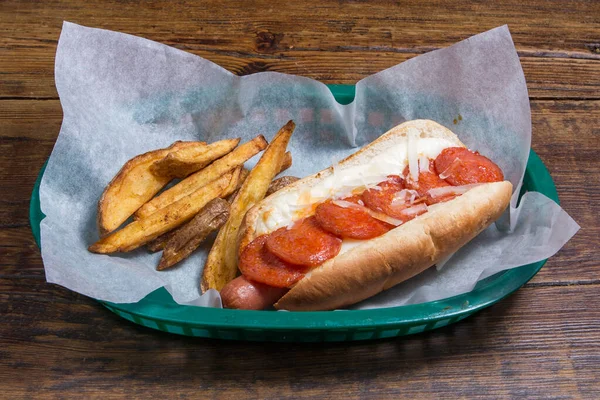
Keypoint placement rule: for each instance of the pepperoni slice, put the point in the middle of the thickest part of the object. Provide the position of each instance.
(383, 199)
(427, 180)
(305, 243)
(348, 222)
(260, 265)
(356, 199)
(461, 166)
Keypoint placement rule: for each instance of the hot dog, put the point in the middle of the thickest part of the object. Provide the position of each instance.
(388, 212)
(249, 295)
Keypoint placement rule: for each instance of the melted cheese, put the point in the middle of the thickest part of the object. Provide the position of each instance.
(290, 206)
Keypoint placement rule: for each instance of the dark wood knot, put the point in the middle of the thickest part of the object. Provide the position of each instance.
(268, 42)
(593, 47)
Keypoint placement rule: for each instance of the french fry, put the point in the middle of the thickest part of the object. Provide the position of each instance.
(234, 186)
(239, 175)
(201, 178)
(160, 242)
(144, 230)
(189, 236)
(181, 163)
(286, 163)
(221, 264)
(133, 186)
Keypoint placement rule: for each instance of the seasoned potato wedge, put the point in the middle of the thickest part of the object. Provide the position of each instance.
(188, 237)
(160, 242)
(181, 163)
(133, 186)
(144, 230)
(201, 178)
(285, 164)
(221, 265)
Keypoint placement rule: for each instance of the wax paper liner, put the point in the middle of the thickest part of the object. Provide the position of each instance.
(122, 95)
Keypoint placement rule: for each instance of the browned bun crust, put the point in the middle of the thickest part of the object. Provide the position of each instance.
(380, 263)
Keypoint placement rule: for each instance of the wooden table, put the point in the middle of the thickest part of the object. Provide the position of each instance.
(544, 341)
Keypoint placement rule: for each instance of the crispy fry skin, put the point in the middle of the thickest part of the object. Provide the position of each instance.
(144, 230)
(243, 174)
(189, 236)
(221, 265)
(134, 185)
(181, 163)
(201, 178)
(214, 273)
(160, 242)
(280, 183)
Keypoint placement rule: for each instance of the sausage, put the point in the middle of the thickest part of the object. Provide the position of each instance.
(244, 294)
(427, 180)
(305, 243)
(347, 222)
(461, 166)
(260, 265)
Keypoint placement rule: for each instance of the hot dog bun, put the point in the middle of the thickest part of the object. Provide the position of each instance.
(377, 264)
(382, 262)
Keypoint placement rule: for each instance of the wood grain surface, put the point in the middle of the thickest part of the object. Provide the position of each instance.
(544, 341)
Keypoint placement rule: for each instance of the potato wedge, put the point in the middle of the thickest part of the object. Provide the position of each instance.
(133, 186)
(144, 230)
(188, 237)
(201, 178)
(286, 163)
(181, 163)
(160, 242)
(221, 264)
(234, 184)
(242, 177)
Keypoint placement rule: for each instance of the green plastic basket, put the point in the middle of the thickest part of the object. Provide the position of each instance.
(159, 311)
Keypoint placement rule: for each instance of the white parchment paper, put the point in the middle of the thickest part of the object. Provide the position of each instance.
(122, 95)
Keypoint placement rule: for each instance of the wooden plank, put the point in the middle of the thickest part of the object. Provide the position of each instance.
(546, 77)
(30, 120)
(20, 255)
(331, 42)
(329, 25)
(540, 342)
(565, 136)
(20, 161)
